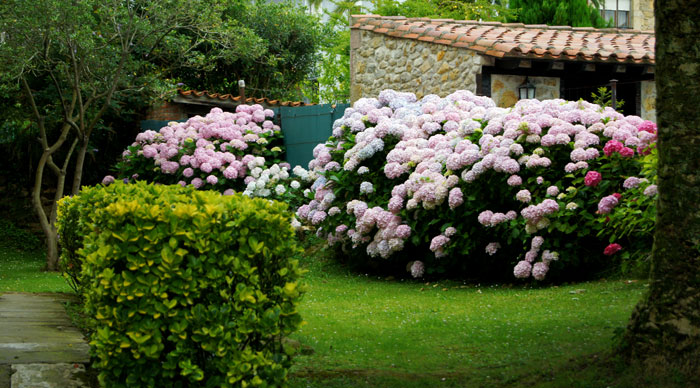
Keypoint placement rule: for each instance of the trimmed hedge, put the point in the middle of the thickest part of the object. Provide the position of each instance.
(188, 288)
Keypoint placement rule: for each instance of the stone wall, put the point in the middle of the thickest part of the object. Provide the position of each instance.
(379, 62)
(504, 88)
(642, 14)
(649, 100)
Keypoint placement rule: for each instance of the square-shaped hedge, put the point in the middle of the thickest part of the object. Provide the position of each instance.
(187, 288)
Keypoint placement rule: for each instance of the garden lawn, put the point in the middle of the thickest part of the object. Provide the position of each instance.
(368, 331)
(22, 272)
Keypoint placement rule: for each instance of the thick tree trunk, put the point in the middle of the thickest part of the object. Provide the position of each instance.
(664, 330)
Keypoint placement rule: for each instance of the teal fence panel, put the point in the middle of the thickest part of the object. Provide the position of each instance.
(155, 125)
(304, 127)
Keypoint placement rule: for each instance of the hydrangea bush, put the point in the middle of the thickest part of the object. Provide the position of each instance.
(222, 151)
(458, 184)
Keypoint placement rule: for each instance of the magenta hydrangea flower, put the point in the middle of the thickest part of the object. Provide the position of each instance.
(212, 180)
(612, 249)
(592, 179)
(612, 146)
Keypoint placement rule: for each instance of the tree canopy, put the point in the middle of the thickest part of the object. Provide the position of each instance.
(66, 65)
(575, 13)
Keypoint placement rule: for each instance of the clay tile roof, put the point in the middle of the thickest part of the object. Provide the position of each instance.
(204, 96)
(516, 40)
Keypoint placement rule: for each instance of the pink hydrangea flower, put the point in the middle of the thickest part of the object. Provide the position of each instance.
(514, 180)
(522, 270)
(607, 203)
(455, 198)
(539, 270)
(107, 180)
(417, 269)
(492, 248)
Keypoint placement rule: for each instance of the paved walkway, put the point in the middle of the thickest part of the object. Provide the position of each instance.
(39, 347)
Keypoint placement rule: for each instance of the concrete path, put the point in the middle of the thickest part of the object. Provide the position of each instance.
(39, 347)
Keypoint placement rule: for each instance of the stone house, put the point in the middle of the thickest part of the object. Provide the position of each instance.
(439, 56)
(635, 14)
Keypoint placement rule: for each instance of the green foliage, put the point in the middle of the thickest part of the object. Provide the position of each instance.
(200, 284)
(12, 237)
(73, 212)
(575, 13)
(633, 221)
(604, 98)
(444, 9)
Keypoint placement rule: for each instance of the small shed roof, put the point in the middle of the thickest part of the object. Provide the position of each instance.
(206, 98)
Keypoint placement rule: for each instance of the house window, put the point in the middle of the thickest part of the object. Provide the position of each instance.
(617, 11)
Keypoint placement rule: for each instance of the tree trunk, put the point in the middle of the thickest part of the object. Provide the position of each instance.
(78, 172)
(664, 330)
(47, 226)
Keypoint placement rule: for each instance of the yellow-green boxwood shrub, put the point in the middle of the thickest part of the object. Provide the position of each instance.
(189, 288)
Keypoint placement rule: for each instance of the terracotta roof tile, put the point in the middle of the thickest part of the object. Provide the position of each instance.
(517, 40)
(205, 95)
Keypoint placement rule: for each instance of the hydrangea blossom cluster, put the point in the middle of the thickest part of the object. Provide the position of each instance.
(404, 169)
(220, 151)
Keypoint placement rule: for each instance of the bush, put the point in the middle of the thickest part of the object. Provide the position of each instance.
(12, 237)
(459, 185)
(72, 212)
(188, 287)
(220, 151)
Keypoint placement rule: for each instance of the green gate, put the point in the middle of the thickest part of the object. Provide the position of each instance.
(306, 126)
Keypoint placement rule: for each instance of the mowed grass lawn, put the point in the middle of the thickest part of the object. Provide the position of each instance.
(371, 332)
(22, 272)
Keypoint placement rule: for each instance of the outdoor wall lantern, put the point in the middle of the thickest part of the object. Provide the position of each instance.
(526, 91)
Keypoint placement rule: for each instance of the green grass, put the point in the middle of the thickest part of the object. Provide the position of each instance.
(371, 332)
(22, 272)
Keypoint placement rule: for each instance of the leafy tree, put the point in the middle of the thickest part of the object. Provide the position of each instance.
(289, 40)
(575, 13)
(664, 331)
(441, 9)
(75, 61)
